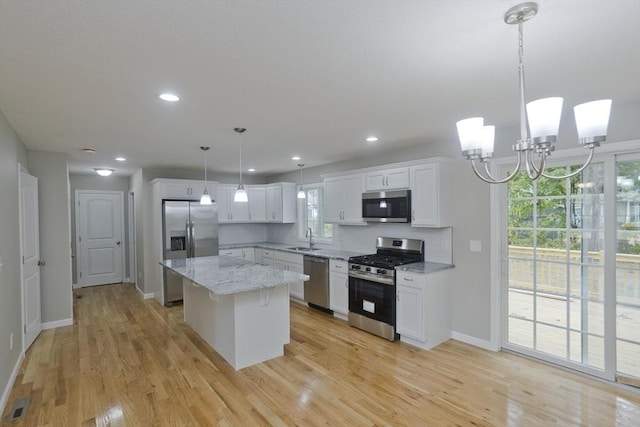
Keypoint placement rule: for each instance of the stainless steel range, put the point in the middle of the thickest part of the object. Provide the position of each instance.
(372, 284)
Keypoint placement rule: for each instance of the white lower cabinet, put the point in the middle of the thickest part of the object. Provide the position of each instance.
(244, 253)
(236, 252)
(266, 257)
(423, 307)
(338, 287)
(291, 262)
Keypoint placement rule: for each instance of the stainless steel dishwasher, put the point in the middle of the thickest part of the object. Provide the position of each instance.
(316, 289)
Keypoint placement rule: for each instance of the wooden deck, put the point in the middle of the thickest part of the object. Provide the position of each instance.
(131, 362)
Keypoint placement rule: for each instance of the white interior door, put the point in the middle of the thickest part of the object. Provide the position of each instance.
(30, 248)
(99, 235)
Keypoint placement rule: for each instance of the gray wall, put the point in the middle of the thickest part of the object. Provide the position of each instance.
(55, 234)
(95, 182)
(12, 152)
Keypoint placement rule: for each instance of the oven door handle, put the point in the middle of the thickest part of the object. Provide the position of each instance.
(383, 281)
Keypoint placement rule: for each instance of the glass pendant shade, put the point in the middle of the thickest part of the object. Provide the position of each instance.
(205, 199)
(488, 135)
(240, 195)
(469, 131)
(544, 117)
(592, 118)
(301, 194)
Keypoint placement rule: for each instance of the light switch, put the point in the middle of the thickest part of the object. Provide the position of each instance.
(475, 246)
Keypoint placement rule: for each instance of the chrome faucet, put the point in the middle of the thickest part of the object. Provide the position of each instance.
(309, 235)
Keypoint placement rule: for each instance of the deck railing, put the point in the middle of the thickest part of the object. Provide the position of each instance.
(551, 273)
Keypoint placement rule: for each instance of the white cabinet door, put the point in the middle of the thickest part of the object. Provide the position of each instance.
(249, 254)
(425, 195)
(343, 199)
(333, 195)
(352, 200)
(387, 179)
(267, 257)
(257, 204)
(274, 204)
(297, 288)
(410, 307)
(223, 204)
(338, 287)
(228, 210)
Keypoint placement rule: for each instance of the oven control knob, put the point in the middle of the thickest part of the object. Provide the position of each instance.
(355, 267)
(368, 269)
(381, 271)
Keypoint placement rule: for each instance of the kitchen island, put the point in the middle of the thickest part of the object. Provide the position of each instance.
(239, 308)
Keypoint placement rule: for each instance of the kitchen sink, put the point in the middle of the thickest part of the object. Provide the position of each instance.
(303, 249)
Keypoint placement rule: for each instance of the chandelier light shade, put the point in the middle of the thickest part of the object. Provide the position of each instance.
(592, 119)
(539, 123)
(205, 199)
(240, 195)
(301, 193)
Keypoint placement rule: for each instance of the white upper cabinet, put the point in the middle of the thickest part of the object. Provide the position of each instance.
(257, 204)
(387, 179)
(431, 194)
(183, 188)
(228, 210)
(281, 202)
(343, 199)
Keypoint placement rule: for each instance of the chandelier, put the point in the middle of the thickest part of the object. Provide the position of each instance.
(543, 118)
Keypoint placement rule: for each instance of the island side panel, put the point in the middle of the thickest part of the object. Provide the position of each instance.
(244, 328)
(262, 325)
(212, 320)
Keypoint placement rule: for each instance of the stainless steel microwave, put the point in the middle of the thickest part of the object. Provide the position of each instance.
(387, 206)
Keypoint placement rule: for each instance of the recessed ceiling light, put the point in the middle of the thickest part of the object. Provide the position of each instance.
(103, 171)
(251, 170)
(372, 139)
(120, 159)
(170, 97)
(295, 158)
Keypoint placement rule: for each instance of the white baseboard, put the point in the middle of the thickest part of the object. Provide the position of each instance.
(9, 386)
(75, 286)
(127, 280)
(145, 296)
(487, 345)
(57, 324)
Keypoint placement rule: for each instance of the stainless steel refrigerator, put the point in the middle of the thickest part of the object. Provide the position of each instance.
(189, 230)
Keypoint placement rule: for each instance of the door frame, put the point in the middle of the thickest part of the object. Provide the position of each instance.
(122, 230)
(133, 275)
(23, 314)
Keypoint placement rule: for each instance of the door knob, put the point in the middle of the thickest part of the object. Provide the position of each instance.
(118, 243)
(41, 263)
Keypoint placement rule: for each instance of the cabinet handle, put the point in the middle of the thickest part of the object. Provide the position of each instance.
(406, 279)
(397, 296)
(413, 215)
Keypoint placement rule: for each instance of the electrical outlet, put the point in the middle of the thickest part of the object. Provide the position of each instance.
(10, 342)
(475, 246)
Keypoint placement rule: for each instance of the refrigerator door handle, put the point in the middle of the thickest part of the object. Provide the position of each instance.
(187, 231)
(193, 240)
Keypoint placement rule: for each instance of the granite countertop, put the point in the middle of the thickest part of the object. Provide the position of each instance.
(324, 253)
(224, 275)
(424, 267)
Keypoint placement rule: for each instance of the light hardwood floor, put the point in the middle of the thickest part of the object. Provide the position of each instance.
(131, 362)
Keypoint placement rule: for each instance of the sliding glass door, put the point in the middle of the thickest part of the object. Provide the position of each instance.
(628, 270)
(571, 292)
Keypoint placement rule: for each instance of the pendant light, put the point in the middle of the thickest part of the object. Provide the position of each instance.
(205, 199)
(240, 194)
(301, 193)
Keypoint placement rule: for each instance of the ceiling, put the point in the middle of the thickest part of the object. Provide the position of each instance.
(312, 78)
